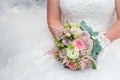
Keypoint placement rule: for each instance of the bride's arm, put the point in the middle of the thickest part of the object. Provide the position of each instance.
(114, 32)
(54, 17)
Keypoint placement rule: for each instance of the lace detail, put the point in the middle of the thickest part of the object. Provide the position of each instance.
(104, 42)
(94, 12)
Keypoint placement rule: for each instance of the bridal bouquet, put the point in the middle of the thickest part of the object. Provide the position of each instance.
(77, 48)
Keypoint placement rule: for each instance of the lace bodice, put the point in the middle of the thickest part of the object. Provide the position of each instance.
(98, 14)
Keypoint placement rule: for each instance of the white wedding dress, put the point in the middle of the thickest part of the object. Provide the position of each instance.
(34, 65)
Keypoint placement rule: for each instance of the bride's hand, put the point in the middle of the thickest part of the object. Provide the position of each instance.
(58, 31)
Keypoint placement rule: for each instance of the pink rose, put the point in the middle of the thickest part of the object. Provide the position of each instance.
(71, 66)
(79, 44)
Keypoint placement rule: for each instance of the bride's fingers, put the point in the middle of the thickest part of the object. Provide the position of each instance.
(58, 30)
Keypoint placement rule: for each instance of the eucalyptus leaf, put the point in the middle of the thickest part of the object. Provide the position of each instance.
(95, 34)
(96, 41)
(83, 25)
(94, 55)
(97, 47)
(89, 29)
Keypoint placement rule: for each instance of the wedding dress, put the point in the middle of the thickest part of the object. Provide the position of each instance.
(34, 65)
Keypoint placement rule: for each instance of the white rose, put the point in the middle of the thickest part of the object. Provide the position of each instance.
(68, 34)
(72, 53)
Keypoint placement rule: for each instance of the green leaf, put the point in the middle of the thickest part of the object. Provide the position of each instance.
(94, 66)
(96, 41)
(83, 25)
(89, 29)
(94, 55)
(97, 47)
(95, 34)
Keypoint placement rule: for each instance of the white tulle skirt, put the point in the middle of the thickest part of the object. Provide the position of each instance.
(29, 62)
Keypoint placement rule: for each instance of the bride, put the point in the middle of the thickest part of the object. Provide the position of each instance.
(101, 16)
(95, 13)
